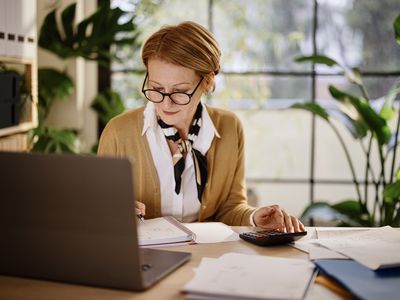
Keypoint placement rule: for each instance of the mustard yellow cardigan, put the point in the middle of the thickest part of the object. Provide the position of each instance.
(224, 198)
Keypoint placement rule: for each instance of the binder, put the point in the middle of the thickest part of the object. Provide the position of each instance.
(361, 281)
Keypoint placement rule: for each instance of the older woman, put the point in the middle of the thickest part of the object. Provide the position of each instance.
(188, 157)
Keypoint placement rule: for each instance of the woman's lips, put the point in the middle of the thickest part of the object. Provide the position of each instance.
(170, 113)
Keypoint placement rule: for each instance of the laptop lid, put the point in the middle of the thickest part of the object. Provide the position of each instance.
(72, 219)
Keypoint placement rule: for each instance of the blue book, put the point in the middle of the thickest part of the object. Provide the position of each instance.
(362, 282)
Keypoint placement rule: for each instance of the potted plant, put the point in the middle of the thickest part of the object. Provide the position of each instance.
(372, 129)
(90, 39)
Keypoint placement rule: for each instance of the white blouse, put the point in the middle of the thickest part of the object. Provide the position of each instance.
(185, 206)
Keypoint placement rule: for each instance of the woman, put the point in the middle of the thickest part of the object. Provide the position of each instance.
(188, 157)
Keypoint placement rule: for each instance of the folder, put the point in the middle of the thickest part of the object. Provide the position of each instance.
(361, 281)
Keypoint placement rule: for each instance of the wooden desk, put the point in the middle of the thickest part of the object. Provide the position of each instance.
(169, 288)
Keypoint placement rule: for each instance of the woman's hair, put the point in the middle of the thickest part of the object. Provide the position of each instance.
(187, 44)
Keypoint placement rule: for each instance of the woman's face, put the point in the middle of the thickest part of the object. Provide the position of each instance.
(168, 78)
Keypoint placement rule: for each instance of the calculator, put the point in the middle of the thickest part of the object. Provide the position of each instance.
(271, 238)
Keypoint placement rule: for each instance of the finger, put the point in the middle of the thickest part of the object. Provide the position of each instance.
(302, 227)
(288, 222)
(295, 223)
(140, 208)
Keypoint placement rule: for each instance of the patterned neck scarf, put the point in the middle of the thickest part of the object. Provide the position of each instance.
(185, 146)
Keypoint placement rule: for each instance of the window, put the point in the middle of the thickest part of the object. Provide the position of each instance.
(291, 157)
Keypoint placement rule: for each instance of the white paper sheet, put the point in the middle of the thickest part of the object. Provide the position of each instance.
(375, 248)
(242, 276)
(310, 245)
(212, 232)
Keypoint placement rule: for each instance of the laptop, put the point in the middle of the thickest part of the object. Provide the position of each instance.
(72, 219)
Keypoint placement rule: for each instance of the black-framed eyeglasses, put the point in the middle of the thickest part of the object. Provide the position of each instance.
(179, 98)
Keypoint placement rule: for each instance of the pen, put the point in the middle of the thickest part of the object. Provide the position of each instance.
(141, 218)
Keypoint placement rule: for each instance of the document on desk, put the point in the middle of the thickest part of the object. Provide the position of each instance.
(376, 248)
(242, 276)
(310, 245)
(212, 232)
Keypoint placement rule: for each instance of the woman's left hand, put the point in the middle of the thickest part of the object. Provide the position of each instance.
(275, 218)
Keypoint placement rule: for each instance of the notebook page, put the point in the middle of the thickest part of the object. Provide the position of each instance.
(162, 230)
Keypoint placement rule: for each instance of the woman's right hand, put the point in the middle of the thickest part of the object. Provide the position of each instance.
(140, 209)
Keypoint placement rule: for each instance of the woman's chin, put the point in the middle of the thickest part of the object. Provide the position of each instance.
(170, 120)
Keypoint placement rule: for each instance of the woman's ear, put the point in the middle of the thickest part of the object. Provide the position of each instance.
(209, 84)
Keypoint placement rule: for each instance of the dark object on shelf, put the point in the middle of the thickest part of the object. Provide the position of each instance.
(9, 99)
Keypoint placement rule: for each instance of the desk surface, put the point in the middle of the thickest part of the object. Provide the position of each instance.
(169, 288)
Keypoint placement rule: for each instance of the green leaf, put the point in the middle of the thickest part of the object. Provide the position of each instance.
(53, 86)
(67, 18)
(108, 105)
(387, 111)
(396, 26)
(357, 129)
(317, 59)
(352, 209)
(312, 107)
(392, 191)
(324, 213)
(53, 140)
(365, 113)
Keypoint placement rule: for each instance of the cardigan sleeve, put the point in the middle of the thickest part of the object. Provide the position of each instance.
(235, 210)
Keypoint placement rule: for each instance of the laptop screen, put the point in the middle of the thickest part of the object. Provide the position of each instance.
(68, 218)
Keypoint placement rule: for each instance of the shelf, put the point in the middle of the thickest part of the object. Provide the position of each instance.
(28, 109)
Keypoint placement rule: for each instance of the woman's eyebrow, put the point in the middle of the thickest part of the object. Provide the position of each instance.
(181, 83)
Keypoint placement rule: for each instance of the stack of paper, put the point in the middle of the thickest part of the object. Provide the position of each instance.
(241, 276)
(376, 249)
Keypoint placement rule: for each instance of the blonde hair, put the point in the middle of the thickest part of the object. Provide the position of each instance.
(187, 44)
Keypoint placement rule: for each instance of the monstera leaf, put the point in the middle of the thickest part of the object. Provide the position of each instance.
(90, 38)
(54, 140)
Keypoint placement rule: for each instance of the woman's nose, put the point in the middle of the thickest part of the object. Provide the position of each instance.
(167, 101)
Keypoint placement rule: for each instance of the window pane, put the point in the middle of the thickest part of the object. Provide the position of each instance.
(262, 34)
(259, 91)
(150, 16)
(375, 86)
(359, 33)
(277, 143)
(292, 197)
(129, 86)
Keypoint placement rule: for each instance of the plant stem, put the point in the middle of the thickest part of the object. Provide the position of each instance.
(382, 181)
(349, 161)
(368, 168)
(395, 147)
(364, 91)
(376, 201)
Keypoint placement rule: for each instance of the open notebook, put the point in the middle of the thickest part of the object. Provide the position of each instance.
(164, 230)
